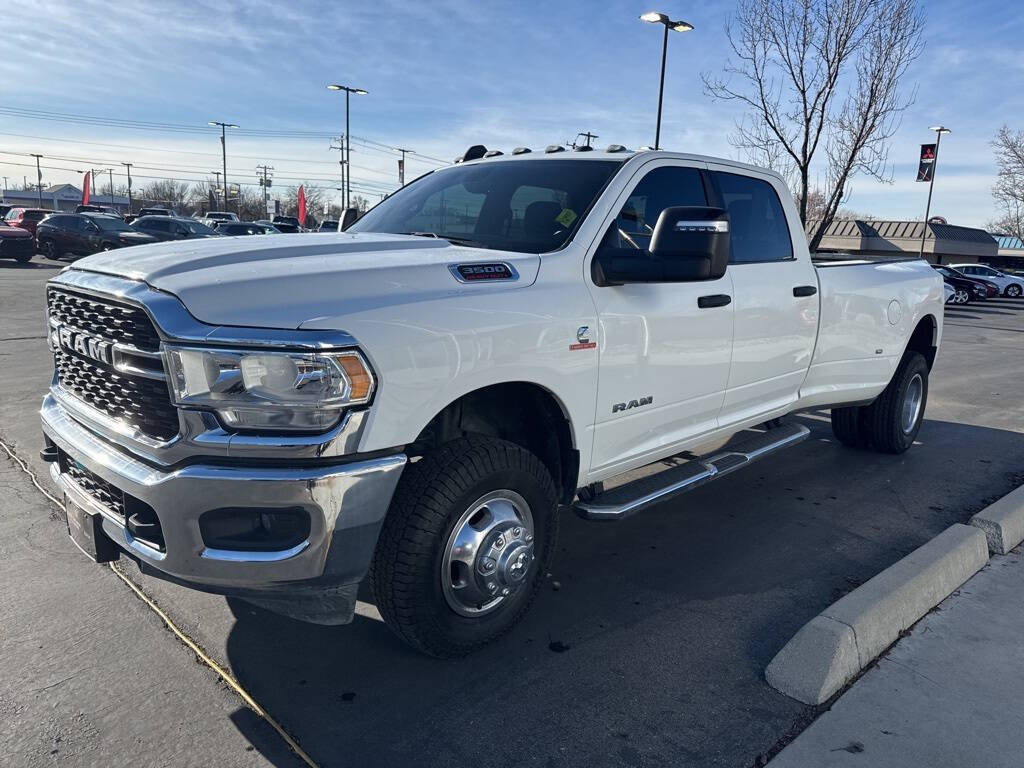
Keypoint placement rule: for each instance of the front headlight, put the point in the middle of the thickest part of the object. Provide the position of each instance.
(269, 390)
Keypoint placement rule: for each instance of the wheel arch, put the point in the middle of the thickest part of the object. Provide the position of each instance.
(521, 412)
(925, 339)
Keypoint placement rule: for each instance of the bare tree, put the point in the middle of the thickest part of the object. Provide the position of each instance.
(164, 192)
(819, 76)
(1008, 191)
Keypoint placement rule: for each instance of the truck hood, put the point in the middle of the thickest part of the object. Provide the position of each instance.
(285, 281)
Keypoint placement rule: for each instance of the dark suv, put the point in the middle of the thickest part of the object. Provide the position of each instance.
(81, 234)
(172, 228)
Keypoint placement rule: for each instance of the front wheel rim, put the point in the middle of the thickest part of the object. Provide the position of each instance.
(912, 400)
(1013, 290)
(489, 554)
(961, 297)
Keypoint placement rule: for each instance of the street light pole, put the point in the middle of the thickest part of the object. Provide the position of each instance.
(401, 168)
(347, 152)
(110, 172)
(39, 178)
(224, 156)
(654, 17)
(129, 167)
(939, 130)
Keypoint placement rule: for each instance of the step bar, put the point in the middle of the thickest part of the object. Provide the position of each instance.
(633, 497)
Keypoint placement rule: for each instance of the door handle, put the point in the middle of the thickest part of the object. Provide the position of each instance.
(805, 290)
(714, 300)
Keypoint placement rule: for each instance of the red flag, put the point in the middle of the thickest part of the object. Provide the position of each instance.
(86, 183)
(302, 206)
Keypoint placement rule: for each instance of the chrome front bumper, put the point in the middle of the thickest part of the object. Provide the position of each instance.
(346, 503)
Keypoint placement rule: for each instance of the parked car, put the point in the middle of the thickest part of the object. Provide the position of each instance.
(288, 224)
(328, 226)
(80, 234)
(234, 228)
(950, 292)
(156, 212)
(220, 216)
(631, 307)
(26, 218)
(16, 243)
(1008, 285)
(90, 208)
(172, 227)
(967, 290)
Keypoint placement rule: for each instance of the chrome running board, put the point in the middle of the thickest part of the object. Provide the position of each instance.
(632, 497)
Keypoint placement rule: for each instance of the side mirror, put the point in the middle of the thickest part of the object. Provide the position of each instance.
(689, 243)
(348, 218)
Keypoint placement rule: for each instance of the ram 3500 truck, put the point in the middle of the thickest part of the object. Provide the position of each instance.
(414, 399)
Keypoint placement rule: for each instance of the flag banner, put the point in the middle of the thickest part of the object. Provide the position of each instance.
(86, 184)
(302, 206)
(401, 172)
(926, 166)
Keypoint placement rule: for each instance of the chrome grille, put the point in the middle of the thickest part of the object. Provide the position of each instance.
(142, 402)
(104, 318)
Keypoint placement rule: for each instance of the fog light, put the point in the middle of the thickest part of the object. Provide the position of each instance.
(254, 529)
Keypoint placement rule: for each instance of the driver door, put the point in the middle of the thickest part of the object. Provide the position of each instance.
(665, 348)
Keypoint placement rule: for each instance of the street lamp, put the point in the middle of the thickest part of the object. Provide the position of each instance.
(939, 130)
(348, 139)
(653, 17)
(224, 156)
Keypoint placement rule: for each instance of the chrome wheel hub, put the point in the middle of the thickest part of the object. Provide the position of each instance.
(912, 403)
(489, 553)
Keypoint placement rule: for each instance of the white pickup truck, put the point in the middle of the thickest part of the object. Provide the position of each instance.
(415, 398)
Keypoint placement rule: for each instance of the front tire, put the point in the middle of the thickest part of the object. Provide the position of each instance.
(894, 419)
(49, 249)
(464, 547)
(1013, 291)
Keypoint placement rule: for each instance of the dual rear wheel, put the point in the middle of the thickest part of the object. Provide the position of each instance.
(890, 424)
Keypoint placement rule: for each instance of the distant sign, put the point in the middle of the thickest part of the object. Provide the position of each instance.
(270, 206)
(926, 165)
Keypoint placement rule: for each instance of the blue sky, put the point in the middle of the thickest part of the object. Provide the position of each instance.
(443, 75)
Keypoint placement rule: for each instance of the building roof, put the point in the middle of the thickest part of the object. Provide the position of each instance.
(895, 236)
(1009, 242)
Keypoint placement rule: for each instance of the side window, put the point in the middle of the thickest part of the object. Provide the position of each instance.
(661, 188)
(158, 225)
(758, 230)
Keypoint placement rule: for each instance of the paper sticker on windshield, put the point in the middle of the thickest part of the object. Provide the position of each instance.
(566, 217)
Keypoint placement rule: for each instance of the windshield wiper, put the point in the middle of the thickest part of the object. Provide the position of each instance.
(450, 238)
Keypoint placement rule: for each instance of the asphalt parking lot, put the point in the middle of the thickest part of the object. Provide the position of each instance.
(647, 646)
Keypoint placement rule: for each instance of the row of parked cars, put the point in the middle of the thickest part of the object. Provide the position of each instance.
(976, 282)
(25, 231)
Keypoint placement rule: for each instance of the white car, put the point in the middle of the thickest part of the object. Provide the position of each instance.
(1009, 285)
(415, 398)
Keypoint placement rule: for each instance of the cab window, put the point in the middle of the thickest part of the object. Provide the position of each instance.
(661, 188)
(758, 229)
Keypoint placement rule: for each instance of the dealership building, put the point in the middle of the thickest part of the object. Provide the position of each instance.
(59, 197)
(943, 243)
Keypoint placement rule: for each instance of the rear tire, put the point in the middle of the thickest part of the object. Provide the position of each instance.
(894, 419)
(424, 588)
(848, 425)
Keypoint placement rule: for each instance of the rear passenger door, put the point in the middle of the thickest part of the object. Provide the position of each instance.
(774, 294)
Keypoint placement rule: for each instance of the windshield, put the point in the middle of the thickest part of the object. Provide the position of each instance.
(196, 228)
(530, 206)
(220, 216)
(109, 224)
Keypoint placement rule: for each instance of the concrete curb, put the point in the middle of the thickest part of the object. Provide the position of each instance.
(1003, 522)
(843, 639)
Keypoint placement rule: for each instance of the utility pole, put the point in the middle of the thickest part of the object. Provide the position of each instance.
(39, 176)
(588, 136)
(401, 165)
(129, 167)
(224, 158)
(110, 171)
(264, 182)
(344, 193)
(92, 180)
(939, 130)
